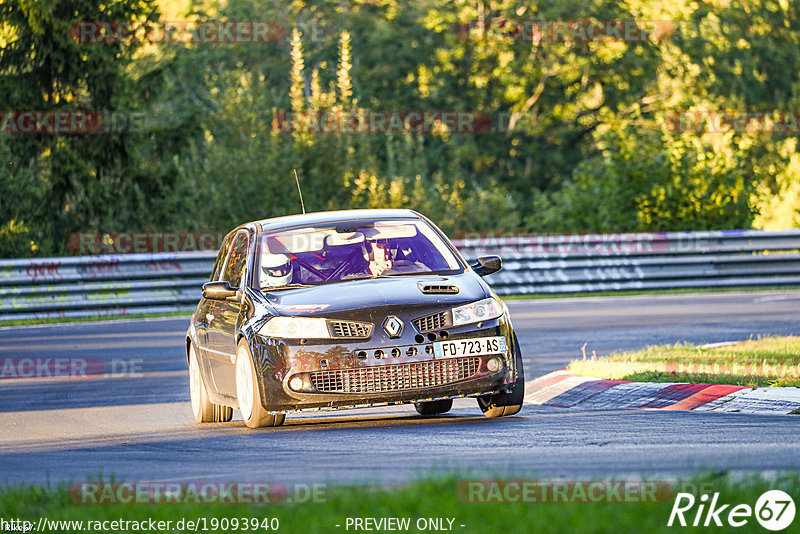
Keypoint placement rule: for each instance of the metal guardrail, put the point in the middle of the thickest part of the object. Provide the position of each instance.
(104, 285)
(114, 285)
(616, 262)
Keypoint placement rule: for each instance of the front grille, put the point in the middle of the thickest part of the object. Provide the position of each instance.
(432, 322)
(401, 377)
(350, 329)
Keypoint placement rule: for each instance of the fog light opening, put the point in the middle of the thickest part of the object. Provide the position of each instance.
(296, 383)
(419, 338)
(431, 337)
(494, 364)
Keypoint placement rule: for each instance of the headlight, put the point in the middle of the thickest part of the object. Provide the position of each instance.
(296, 328)
(483, 310)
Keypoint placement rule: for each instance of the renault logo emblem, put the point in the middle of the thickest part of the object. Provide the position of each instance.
(393, 326)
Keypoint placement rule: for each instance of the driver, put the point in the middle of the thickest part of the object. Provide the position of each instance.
(276, 270)
(380, 256)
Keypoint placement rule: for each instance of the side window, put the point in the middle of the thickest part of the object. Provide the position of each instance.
(236, 260)
(223, 253)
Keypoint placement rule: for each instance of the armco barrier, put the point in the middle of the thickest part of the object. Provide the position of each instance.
(613, 262)
(123, 284)
(86, 286)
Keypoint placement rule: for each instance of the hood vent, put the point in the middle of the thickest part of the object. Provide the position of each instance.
(440, 288)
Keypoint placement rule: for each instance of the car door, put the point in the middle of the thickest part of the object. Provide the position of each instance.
(204, 312)
(223, 317)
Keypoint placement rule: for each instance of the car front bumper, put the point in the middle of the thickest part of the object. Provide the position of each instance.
(296, 377)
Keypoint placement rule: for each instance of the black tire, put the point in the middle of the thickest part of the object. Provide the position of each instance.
(433, 407)
(505, 404)
(203, 409)
(248, 392)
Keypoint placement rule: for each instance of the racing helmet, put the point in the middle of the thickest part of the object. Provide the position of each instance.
(276, 270)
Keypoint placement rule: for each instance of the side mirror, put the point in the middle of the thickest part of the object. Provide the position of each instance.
(218, 290)
(486, 265)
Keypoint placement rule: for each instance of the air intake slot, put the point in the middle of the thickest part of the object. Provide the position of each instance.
(435, 321)
(350, 329)
(437, 289)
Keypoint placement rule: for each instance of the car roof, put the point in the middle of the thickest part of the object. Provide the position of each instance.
(328, 217)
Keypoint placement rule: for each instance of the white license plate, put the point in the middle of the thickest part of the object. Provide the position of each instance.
(479, 346)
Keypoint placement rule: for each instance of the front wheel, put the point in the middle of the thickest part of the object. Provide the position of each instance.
(203, 409)
(248, 392)
(504, 404)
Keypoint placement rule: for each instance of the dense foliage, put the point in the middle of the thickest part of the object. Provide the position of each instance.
(585, 135)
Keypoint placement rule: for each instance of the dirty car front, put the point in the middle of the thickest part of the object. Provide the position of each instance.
(348, 309)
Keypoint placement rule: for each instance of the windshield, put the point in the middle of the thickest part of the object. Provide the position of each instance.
(350, 251)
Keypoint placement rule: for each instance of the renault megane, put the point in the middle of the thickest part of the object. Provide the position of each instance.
(348, 309)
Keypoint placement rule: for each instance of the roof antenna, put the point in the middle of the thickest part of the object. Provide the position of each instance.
(296, 179)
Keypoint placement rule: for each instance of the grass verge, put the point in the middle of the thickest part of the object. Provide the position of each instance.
(435, 498)
(768, 361)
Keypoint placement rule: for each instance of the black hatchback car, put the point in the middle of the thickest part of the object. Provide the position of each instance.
(346, 309)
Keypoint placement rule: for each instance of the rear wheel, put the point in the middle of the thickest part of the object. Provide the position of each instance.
(203, 409)
(433, 407)
(248, 392)
(504, 404)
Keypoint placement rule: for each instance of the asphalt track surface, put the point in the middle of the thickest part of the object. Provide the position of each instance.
(140, 428)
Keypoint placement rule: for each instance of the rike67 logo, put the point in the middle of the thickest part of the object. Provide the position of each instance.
(774, 510)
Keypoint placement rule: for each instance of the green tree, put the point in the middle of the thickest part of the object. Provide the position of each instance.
(80, 182)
